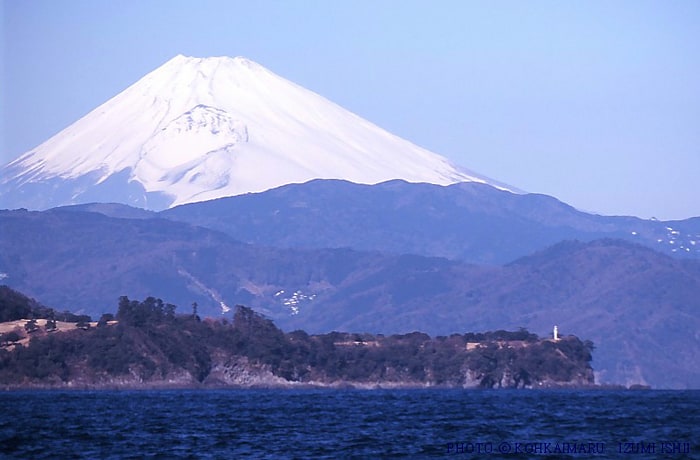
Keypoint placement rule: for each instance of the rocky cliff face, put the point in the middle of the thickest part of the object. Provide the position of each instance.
(149, 346)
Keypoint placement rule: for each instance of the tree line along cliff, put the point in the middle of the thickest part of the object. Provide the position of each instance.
(148, 344)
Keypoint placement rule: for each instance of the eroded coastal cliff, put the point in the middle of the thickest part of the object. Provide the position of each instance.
(148, 345)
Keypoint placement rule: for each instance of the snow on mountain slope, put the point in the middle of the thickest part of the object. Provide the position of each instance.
(198, 129)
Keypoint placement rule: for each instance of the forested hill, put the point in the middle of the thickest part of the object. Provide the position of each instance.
(148, 345)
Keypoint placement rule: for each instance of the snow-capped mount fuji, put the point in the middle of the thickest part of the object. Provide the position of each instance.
(196, 129)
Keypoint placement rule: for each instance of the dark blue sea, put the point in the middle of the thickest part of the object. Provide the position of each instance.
(232, 424)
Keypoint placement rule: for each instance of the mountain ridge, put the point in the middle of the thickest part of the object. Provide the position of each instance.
(466, 221)
(627, 298)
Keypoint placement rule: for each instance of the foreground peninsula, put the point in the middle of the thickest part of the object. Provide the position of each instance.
(148, 345)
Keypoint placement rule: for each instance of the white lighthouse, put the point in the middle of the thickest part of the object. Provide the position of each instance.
(555, 333)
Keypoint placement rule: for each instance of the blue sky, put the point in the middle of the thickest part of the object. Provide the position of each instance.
(596, 103)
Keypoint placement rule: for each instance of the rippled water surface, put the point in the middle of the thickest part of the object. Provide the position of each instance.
(350, 424)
